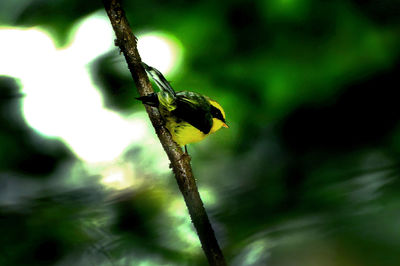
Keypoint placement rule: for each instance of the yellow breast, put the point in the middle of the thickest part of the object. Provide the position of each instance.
(184, 133)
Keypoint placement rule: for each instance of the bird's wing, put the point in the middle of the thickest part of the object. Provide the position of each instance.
(194, 110)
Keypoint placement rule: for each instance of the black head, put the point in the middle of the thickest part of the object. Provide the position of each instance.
(216, 113)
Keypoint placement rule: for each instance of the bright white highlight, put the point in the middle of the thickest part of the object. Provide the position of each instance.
(91, 38)
(60, 98)
(119, 177)
(160, 51)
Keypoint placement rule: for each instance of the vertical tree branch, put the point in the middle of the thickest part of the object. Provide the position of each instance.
(179, 163)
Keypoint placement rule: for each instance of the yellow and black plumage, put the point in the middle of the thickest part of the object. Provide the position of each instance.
(189, 116)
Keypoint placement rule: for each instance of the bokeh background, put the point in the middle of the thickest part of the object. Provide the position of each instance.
(307, 175)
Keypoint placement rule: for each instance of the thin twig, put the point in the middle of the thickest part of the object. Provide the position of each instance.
(180, 163)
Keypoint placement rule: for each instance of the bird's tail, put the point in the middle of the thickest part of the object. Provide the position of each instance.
(159, 79)
(167, 96)
(151, 99)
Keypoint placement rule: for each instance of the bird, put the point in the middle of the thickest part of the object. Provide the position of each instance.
(188, 116)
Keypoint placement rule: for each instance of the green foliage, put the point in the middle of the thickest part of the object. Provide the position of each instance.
(307, 174)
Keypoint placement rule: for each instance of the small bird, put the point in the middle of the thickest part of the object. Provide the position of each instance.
(189, 116)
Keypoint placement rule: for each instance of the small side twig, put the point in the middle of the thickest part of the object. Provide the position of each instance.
(180, 164)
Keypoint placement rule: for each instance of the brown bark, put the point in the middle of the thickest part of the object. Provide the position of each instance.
(180, 163)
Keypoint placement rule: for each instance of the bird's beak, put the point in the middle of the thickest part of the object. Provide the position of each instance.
(225, 125)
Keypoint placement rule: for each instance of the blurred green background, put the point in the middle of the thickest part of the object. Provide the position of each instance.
(307, 175)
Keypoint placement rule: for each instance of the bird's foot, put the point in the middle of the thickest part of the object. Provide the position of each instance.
(185, 156)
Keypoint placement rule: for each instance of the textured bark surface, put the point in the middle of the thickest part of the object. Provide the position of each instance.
(180, 163)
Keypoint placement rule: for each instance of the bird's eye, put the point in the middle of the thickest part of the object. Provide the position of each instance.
(216, 113)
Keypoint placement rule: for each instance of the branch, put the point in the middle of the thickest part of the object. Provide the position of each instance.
(180, 164)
